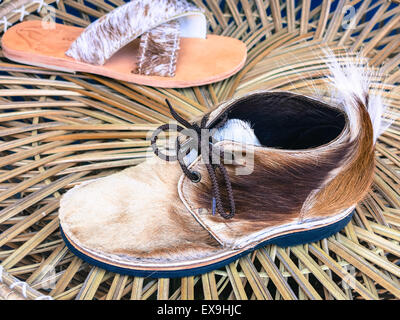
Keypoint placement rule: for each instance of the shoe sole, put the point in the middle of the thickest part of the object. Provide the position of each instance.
(286, 240)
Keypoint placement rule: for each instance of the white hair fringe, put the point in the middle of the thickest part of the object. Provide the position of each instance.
(353, 80)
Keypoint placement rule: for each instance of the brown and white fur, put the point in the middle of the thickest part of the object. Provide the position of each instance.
(150, 19)
(158, 50)
(291, 186)
(365, 111)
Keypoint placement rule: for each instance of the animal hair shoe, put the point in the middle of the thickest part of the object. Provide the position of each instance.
(274, 168)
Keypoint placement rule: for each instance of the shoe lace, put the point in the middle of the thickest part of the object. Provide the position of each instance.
(195, 176)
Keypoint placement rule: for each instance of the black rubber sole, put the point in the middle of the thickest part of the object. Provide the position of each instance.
(287, 240)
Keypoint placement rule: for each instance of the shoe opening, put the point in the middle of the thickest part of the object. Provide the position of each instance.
(288, 121)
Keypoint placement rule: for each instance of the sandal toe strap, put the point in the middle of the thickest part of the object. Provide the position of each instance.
(159, 23)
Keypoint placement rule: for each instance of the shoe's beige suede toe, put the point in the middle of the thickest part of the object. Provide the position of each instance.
(135, 213)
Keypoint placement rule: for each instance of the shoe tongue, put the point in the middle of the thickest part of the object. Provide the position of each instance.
(238, 131)
(233, 130)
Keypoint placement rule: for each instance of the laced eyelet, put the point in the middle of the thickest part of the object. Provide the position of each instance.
(197, 177)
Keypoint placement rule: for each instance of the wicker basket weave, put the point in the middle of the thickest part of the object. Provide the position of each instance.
(60, 129)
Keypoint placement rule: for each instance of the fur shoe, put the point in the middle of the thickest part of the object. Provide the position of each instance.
(274, 167)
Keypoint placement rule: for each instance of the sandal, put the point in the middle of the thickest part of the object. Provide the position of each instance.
(159, 43)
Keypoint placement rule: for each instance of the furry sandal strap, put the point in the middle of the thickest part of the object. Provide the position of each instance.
(160, 43)
(158, 24)
(158, 50)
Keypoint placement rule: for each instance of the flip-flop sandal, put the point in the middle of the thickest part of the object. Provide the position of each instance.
(158, 43)
(298, 168)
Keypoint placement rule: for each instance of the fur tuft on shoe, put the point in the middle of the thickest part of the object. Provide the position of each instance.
(352, 81)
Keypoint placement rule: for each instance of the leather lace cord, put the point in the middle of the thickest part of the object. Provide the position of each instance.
(211, 168)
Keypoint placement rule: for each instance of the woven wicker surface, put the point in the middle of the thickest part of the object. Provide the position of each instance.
(60, 129)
